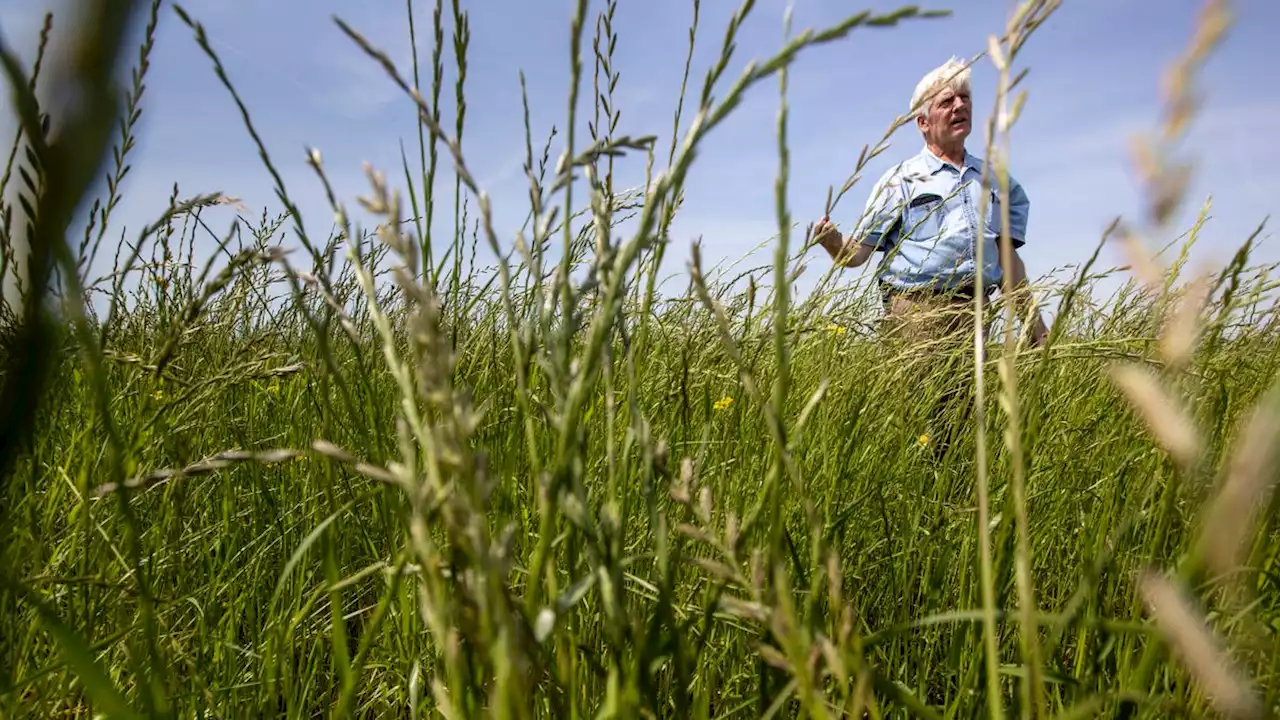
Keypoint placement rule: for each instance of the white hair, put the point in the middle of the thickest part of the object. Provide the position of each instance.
(952, 74)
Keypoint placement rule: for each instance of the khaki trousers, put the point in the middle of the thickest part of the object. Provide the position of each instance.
(929, 321)
(930, 335)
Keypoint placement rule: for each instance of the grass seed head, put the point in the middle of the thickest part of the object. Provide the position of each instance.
(1179, 337)
(1197, 647)
(1246, 488)
(1167, 420)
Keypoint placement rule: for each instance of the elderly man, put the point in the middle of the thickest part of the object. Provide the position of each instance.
(923, 214)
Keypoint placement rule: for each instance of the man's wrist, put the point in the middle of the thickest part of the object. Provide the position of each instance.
(843, 251)
(833, 242)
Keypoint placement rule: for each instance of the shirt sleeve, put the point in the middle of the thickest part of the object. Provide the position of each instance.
(881, 218)
(1019, 208)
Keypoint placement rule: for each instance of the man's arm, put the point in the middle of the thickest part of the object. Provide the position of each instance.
(1019, 205)
(1022, 295)
(880, 218)
(846, 251)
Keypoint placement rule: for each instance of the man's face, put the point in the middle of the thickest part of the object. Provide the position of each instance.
(949, 119)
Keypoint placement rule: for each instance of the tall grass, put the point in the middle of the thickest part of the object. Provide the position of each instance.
(389, 482)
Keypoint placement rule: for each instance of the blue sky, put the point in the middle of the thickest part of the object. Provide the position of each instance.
(1094, 82)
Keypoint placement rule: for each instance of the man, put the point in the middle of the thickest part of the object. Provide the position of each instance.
(924, 215)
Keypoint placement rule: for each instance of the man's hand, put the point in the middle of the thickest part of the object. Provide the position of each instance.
(1039, 333)
(836, 245)
(828, 236)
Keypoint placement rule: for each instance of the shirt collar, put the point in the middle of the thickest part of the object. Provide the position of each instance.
(935, 163)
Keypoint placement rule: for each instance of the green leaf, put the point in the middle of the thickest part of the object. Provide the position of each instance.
(75, 651)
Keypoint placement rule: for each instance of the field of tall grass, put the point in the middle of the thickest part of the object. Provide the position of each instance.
(364, 475)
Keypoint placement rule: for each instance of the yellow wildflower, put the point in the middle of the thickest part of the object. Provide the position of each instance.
(836, 329)
(723, 403)
(923, 441)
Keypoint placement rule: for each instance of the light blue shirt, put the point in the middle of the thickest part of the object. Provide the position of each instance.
(923, 214)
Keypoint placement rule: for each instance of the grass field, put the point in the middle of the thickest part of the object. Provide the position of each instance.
(371, 477)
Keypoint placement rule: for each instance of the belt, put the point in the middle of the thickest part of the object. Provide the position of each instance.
(965, 292)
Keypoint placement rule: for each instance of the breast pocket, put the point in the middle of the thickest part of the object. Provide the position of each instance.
(922, 221)
(995, 215)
